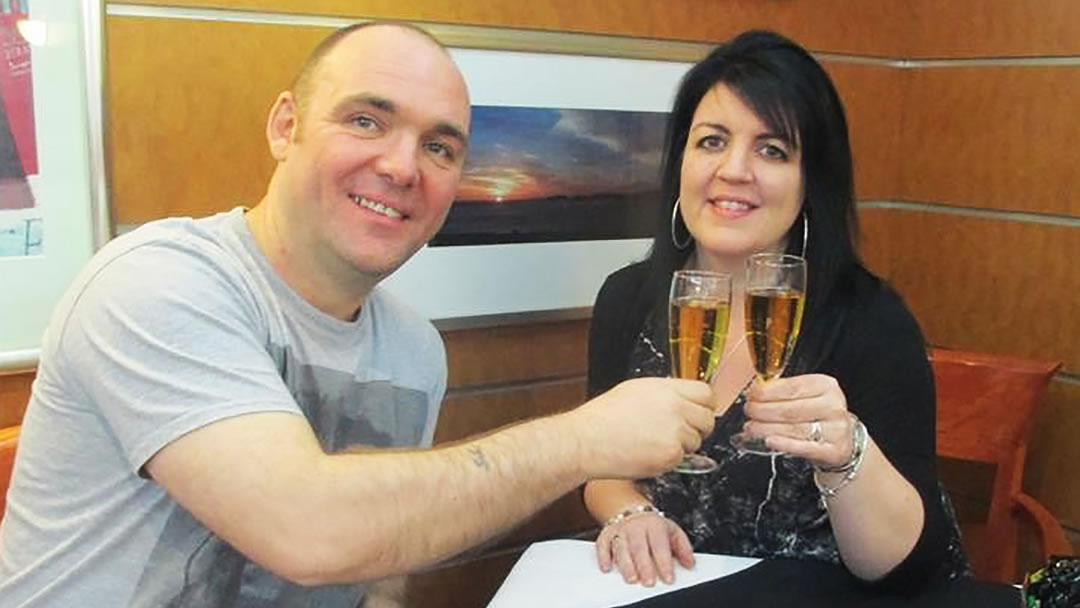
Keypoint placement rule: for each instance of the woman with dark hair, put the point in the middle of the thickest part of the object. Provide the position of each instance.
(757, 159)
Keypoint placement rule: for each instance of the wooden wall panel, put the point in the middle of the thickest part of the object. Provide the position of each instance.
(187, 110)
(994, 28)
(993, 137)
(873, 101)
(14, 395)
(852, 26)
(989, 285)
(564, 517)
(874, 241)
(186, 128)
(511, 353)
(462, 585)
(472, 412)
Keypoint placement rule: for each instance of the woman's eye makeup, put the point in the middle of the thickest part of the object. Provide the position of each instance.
(774, 151)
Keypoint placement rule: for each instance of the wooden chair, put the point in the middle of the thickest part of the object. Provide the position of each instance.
(986, 408)
(9, 438)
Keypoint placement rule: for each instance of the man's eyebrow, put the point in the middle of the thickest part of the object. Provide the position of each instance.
(367, 99)
(453, 131)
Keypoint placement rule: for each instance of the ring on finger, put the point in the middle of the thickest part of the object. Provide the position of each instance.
(815, 434)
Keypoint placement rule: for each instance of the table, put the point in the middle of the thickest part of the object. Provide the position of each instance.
(563, 573)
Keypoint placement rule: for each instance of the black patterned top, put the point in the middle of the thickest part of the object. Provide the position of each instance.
(768, 506)
(758, 506)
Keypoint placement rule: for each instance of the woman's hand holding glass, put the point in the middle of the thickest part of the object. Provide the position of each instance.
(774, 299)
(644, 547)
(804, 416)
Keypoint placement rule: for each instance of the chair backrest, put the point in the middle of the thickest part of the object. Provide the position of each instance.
(986, 408)
(986, 404)
(9, 439)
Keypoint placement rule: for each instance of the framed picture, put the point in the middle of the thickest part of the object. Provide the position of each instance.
(556, 174)
(560, 189)
(51, 162)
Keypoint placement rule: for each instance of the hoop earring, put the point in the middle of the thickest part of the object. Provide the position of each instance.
(805, 233)
(674, 218)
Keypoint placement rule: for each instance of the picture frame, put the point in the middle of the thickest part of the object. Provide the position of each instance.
(474, 285)
(58, 111)
(479, 285)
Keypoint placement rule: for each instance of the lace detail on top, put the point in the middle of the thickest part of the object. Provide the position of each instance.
(752, 505)
(758, 506)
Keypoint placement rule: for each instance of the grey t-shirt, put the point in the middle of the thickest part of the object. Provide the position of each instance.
(177, 325)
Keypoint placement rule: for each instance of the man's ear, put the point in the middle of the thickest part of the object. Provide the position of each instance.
(281, 125)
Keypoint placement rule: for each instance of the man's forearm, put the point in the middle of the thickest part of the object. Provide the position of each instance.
(387, 513)
(262, 482)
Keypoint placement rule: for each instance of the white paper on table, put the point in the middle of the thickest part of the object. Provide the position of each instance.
(564, 573)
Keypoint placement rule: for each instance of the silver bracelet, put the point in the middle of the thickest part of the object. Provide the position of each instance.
(858, 445)
(850, 469)
(631, 512)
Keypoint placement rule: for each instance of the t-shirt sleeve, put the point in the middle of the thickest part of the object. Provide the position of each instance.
(437, 361)
(165, 339)
(888, 383)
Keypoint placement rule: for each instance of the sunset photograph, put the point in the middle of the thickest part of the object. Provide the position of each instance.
(542, 174)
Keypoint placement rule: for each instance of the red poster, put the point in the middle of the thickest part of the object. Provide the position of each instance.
(16, 87)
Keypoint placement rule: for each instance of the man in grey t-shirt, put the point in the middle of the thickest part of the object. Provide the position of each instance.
(204, 384)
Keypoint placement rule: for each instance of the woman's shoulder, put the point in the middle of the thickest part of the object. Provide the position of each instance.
(874, 296)
(875, 310)
(625, 283)
(629, 276)
(617, 318)
(624, 300)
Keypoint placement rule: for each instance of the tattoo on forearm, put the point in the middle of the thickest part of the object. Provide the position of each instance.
(478, 457)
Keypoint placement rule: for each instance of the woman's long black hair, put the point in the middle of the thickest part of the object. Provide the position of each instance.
(791, 93)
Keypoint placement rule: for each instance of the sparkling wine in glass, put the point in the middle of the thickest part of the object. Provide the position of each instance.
(774, 300)
(700, 304)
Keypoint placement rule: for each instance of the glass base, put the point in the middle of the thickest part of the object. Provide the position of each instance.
(746, 444)
(696, 464)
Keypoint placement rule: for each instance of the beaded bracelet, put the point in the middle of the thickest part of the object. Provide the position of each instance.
(850, 469)
(633, 511)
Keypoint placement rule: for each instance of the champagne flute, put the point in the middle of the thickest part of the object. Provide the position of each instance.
(774, 300)
(699, 305)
